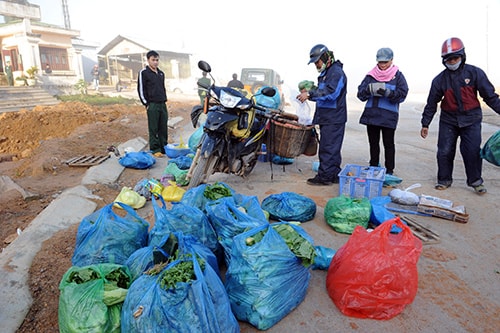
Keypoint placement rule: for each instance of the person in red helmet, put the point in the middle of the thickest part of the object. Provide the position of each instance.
(456, 88)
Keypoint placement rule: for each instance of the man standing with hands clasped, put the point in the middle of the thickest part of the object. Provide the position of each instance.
(152, 93)
(456, 88)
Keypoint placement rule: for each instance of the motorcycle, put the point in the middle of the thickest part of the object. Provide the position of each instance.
(233, 131)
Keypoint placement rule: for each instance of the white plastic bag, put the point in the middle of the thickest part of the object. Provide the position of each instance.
(302, 110)
(405, 197)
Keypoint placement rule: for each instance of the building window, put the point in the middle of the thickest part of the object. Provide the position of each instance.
(55, 57)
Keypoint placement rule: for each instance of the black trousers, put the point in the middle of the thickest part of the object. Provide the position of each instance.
(389, 146)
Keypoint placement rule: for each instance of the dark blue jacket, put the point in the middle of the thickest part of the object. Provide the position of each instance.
(457, 92)
(383, 111)
(151, 86)
(330, 96)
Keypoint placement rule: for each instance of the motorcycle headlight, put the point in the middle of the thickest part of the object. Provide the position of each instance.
(227, 100)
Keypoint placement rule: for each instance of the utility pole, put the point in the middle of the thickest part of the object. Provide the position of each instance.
(67, 24)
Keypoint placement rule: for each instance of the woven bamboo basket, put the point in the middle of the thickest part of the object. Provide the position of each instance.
(289, 139)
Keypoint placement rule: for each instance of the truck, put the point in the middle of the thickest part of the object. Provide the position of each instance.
(255, 78)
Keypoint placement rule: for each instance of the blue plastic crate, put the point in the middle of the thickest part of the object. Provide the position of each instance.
(361, 181)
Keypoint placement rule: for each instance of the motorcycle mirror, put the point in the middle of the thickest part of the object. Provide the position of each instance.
(204, 66)
(268, 91)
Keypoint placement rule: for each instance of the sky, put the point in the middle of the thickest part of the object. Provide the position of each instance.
(279, 35)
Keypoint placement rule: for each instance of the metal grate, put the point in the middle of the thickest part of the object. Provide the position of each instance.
(86, 160)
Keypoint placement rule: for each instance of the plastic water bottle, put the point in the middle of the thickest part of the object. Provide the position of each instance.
(263, 153)
(315, 166)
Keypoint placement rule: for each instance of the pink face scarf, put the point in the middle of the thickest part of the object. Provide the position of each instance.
(383, 76)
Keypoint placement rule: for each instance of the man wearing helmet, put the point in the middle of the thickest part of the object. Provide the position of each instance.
(456, 89)
(330, 114)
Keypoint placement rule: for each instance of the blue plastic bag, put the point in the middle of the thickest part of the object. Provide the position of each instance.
(380, 213)
(265, 281)
(266, 101)
(182, 218)
(145, 258)
(106, 237)
(183, 162)
(137, 160)
(200, 305)
(195, 138)
(195, 196)
(289, 206)
(228, 219)
(323, 258)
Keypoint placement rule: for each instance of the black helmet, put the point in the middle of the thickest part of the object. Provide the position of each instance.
(316, 52)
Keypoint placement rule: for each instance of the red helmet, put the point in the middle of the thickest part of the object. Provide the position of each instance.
(452, 45)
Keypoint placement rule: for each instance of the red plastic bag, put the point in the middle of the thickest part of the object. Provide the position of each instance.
(374, 275)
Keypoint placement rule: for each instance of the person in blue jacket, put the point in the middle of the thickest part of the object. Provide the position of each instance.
(383, 89)
(330, 114)
(456, 88)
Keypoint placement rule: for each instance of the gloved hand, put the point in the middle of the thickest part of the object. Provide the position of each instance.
(375, 88)
(384, 92)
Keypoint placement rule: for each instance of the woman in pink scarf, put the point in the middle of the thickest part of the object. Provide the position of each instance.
(383, 89)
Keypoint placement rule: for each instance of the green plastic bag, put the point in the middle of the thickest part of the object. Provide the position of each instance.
(343, 213)
(91, 298)
(491, 149)
(180, 175)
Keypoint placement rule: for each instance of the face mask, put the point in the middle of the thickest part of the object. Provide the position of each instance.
(453, 67)
(322, 68)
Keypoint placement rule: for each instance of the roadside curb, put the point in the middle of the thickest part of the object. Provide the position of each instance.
(68, 209)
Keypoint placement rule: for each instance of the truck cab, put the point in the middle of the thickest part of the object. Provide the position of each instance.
(255, 78)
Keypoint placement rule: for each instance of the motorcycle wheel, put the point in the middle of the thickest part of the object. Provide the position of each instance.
(203, 169)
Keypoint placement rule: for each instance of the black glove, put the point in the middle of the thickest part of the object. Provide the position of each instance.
(384, 92)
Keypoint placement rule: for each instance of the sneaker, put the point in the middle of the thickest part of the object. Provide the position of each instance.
(480, 189)
(319, 182)
(441, 187)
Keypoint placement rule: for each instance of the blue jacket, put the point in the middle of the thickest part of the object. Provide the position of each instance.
(457, 92)
(383, 111)
(330, 96)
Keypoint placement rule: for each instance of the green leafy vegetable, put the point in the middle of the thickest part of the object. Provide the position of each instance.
(183, 271)
(300, 246)
(216, 191)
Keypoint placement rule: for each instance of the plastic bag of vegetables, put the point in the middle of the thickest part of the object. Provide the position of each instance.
(91, 298)
(187, 296)
(182, 218)
(268, 275)
(202, 194)
(171, 245)
(343, 213)
(229, 219)
(106, 237)
(289, 206)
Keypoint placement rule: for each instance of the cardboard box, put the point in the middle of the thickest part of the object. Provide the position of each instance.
(442, 208)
